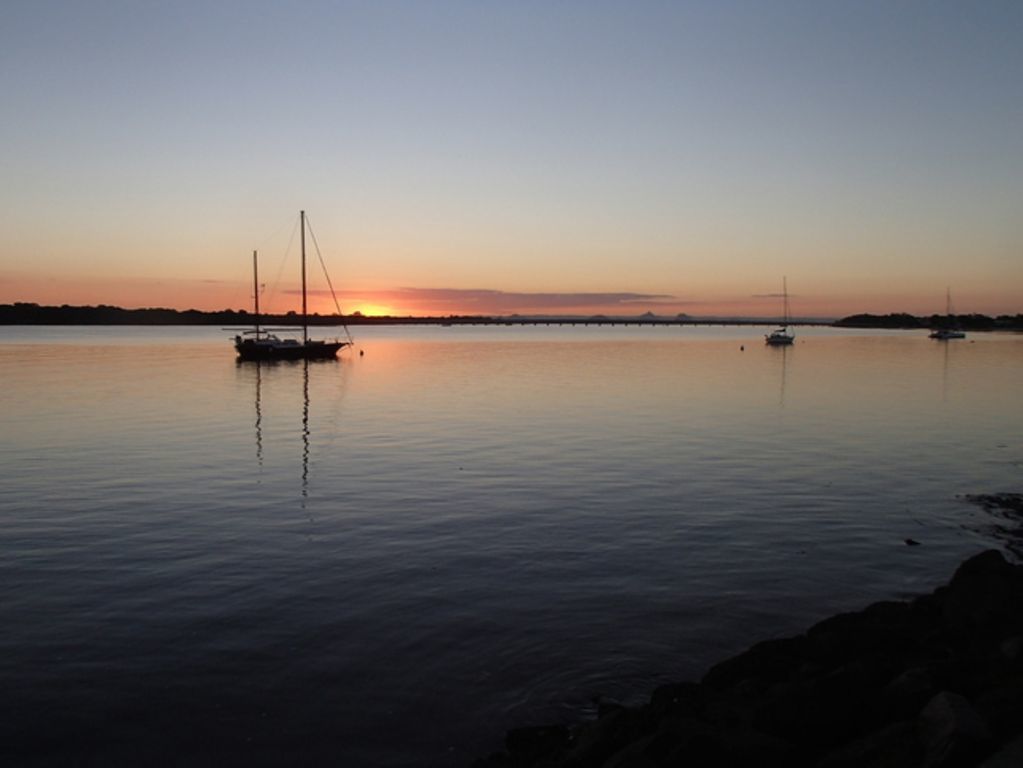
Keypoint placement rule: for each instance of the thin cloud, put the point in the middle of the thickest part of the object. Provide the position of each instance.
(510, 300)
(482, 301)
(479, 300)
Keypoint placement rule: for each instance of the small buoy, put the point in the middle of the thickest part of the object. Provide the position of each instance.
(742, 347)
(362, 352)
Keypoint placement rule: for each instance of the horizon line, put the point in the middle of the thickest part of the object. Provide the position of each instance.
(514, 315)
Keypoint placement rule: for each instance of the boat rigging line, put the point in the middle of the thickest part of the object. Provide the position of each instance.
(323, 266)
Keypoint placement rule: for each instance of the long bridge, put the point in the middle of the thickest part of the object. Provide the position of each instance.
(575, 321)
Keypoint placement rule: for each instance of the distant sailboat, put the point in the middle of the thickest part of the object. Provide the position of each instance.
(781, 336)
(950, 331)
(259, 344)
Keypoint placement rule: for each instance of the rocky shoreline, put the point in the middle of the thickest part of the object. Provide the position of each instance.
(934, 681)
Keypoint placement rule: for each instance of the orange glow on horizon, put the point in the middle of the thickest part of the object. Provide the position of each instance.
(367, 309)
(807, 299)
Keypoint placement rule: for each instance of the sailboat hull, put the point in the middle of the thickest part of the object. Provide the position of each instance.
(266, 346)
(258, 349)
(779, 338)
(948, 329)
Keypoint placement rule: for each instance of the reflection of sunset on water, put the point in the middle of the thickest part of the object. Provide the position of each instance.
(375, 519)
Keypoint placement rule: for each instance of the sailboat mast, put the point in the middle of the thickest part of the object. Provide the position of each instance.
(255, 286)
(785, 300)
(305, 319)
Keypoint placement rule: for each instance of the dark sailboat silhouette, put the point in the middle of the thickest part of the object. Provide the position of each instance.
(261, 344)
(949, 330)
(782, 337)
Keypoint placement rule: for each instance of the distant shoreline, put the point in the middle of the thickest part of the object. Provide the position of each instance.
(24, 313)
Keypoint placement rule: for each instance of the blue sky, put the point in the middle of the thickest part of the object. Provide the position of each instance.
(871, 152)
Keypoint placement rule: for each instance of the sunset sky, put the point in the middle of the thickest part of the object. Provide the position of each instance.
(520, 157)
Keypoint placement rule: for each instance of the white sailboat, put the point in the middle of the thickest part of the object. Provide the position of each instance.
(781, 336)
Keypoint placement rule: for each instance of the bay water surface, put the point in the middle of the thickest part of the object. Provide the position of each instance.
(391, 559)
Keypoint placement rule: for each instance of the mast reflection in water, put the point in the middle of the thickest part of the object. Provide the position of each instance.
(258, 369)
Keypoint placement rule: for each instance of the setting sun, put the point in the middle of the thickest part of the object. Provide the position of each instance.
(369, 310)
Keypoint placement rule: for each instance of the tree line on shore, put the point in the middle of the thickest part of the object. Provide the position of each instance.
(901, 320)
(27, 313)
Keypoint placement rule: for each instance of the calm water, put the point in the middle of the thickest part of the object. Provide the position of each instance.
(391, 559)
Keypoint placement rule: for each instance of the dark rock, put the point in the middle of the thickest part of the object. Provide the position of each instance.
(686, 742)
(952, 733)
(1002, 706)
(595, 741)
(496, 760)
(894, 746)
(635, 755)
(534, 742)
(1009, 756)
(606, 706)
(936, 681)
(678, 698)
(1012, 649)
(1004, 502)
(984, 596)
(883, 630)
(689, 738)
(766, 662)
(906, 695)
(822, 711)
(749, 747)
